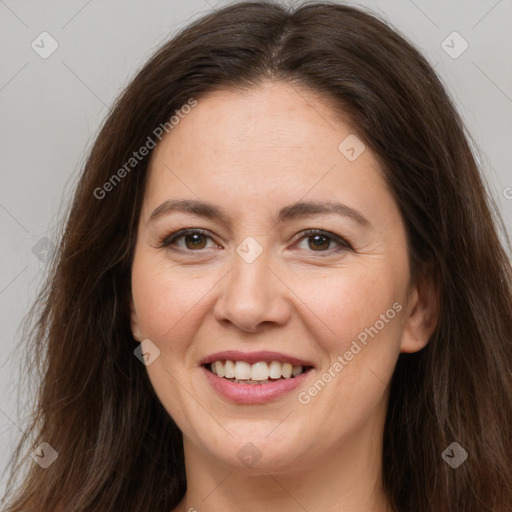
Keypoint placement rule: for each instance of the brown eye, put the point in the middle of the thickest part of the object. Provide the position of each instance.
(197, 241)
(194, 239)
(320, 242)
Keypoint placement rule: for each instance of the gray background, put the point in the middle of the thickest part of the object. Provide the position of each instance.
(50, 110)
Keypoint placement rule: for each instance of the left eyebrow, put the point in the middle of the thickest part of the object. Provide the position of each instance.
(292, 211)
(306, 208)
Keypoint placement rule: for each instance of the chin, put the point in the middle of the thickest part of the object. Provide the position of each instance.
(259, 453)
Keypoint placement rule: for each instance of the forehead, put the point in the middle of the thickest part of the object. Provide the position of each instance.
(275, 117)
(271, 143)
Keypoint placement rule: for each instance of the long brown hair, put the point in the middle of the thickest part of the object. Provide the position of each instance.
(118, 449)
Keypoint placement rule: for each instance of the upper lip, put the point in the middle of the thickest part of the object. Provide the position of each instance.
(254, 357)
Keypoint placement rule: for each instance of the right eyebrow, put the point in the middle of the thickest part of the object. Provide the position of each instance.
(195, 207)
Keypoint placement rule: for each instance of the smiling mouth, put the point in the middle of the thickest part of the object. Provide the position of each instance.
(262, 372)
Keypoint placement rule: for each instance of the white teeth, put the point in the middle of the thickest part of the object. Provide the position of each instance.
(275, 370)
(220, 368)
(242, 370)
(296, 370)
(229, 370)
(258, 372)
(286, 370)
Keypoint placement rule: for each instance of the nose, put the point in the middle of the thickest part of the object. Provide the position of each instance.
(252, 296)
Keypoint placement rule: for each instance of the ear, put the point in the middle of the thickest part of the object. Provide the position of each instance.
(134, 322)
(422, 311)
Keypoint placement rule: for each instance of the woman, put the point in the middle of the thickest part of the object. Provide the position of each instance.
(280, 286)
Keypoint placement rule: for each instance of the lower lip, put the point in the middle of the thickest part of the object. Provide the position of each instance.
(254, 393)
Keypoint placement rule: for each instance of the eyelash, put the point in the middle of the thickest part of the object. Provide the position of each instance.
(344, 245)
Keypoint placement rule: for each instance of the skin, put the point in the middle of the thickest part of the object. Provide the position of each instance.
(253, 152)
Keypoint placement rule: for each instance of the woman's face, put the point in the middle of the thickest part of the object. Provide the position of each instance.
(255, 295)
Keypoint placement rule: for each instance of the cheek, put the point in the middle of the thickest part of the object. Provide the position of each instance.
(356, 318)
(165, 302)
(368, 321)
(167, 307)
(357, 322)
(344, 305)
